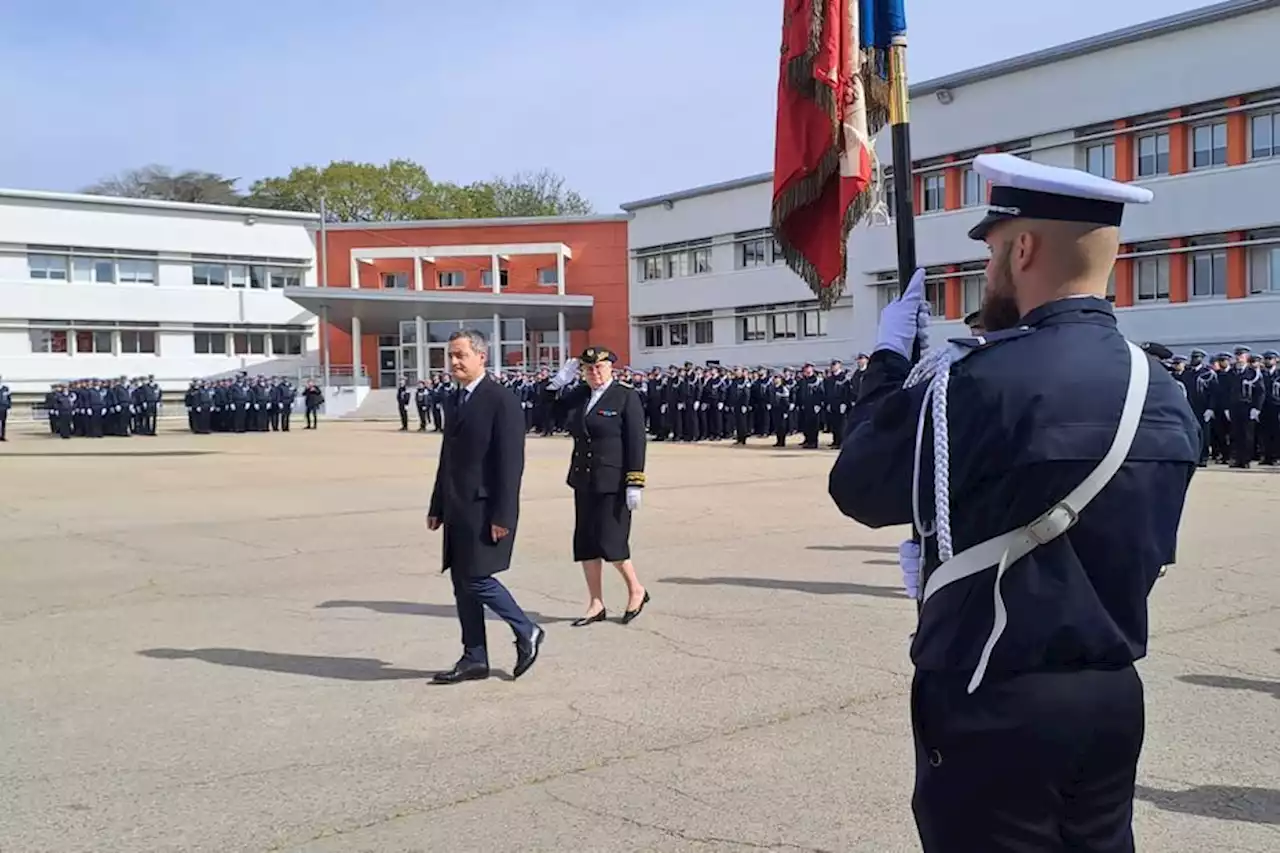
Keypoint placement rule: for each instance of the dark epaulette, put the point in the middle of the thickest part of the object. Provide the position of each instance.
(988, 339)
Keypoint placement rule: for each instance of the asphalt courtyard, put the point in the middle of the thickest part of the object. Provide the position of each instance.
(223, 643)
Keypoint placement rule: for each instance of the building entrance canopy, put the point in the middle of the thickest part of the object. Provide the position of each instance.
(380, 312)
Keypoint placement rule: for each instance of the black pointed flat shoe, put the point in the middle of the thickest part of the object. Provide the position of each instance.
(590, 620)
(629, 615)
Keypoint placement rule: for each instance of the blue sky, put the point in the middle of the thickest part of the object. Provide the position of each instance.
(625, 99)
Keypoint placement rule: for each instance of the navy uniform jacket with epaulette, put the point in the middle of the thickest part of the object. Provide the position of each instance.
(608, 439)
(1030, 416)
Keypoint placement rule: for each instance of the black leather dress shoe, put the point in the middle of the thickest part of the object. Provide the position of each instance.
(461, 672)
(527, 652)
(632, 614)
(591, 620)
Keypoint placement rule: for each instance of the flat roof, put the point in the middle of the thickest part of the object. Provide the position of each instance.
(381, 311)
(495, 222)
(157, 204)
(1070, 50)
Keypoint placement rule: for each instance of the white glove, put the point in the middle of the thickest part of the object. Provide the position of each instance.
(565, 375)
(842, 408)
(1254, 414)
(1228, 414)
(633, 497)
(904, 319)
(909, 560)
(1208, 415)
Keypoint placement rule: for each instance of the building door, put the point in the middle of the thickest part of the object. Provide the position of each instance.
(409, 364)
(388, 366)
(438, 360)
(547, 356)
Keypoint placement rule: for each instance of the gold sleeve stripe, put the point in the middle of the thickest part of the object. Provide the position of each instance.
(635, 478)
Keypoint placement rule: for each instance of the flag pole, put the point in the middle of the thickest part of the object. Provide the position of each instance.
(903, 179)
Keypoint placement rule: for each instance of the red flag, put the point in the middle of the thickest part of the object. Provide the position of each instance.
(823, 157)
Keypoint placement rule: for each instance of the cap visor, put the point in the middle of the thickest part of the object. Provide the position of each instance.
(983, 228)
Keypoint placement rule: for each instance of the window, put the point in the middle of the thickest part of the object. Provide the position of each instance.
(1264, 269)
(547, 276)
(1264, 136)
(973, 191)
(250, 343)
(677, 264)
(132, 342)
(653, 336)
(210, 343)
(935, 193)
(209, 275)
(936, 293)
(1100, 160)
(700, 260)
(703, 332)
(814, 324)
(1153, 154)
(238, 275)
(97, 343)
(258, 278)
(1208, 274)
(137, 272)
(751, 253)
(281, 277)
(971, 287)
(752, 328)
(1151, 279)
(783, 325)
(679, 334)
(1209, 145)
(395, 281)
(286, 343)
(888, 293)
(650, 267)
(47, 267)
(890, 194)
(486, 278)
(49, 341)
(93, 270)
(451, 278)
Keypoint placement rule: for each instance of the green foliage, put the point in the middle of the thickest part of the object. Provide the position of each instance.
(396, 191)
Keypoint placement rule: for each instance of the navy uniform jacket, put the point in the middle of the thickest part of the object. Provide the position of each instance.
(608, 439)
(1030, 416)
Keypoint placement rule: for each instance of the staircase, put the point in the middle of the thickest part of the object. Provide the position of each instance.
(378, 405)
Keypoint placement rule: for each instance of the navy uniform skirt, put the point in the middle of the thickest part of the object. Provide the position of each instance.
(601, 526)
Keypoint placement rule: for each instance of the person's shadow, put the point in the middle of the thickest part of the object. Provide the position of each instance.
(1224, 802)
(794, 585)
(317, 666)
(423, 608)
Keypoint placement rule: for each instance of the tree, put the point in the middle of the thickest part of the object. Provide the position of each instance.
(159, 182)
(402, 190)
(530, 194)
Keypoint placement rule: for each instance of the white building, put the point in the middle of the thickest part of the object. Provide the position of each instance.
(92, 286)
(1188, 106)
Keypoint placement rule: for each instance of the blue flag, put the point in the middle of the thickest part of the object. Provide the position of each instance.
(880, 21)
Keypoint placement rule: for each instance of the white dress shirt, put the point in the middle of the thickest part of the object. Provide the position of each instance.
(597, 394)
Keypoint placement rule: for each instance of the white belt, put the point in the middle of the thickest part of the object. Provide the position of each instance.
(1005, 550)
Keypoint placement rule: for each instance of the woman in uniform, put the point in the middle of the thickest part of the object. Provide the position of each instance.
(606, 419)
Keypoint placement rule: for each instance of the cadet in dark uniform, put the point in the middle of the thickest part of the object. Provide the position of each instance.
(1026, 708)
(422, 402)
(312, 400)
(606, 420)
(403, 396)
(6, 403)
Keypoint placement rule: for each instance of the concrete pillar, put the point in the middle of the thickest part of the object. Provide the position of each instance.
(417, 272)
(420, 324)
(495, 273)
(355, 351)
(560, 328)
(560, 277)
(355, 272)
(495, 344)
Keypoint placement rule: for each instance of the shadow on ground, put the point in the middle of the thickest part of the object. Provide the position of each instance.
(442, 611)
(869, 549)
(1224, 802)
(318, 666)
(120, 453)
(795, 585)
(1231, 682)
